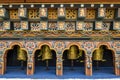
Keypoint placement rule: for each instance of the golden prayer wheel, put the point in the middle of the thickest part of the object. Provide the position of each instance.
(45, 53)
(98, 55)
(21, 54)
(73, 52)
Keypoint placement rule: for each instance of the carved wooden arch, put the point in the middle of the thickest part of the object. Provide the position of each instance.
(106, 44)
(76, 44)
(40, 45)
(6, 51)
(113, 53)
(11, 47)
(16, 43)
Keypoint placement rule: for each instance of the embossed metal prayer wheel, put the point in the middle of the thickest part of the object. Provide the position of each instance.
(21, 56)
(46, 54)
(98, 56)
(73, 52)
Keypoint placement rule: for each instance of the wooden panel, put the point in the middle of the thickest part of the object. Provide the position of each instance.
(110, 13)
(91, 14)
(71, 13)
(57, 1)
(71, 1)
(33, 14)
(12, 1)
(14, 14)
(52, 13)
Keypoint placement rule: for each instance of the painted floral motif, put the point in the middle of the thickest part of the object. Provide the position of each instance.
(35, 26)
(2, 45)
(88, 26)
(116, 45)
(70, 26)
(30, 45)
(59, 45)
(106, 26)
(88, 46)
(52, 26)
(17, 26)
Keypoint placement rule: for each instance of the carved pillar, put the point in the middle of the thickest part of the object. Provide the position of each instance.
(59, 46)
(88, 46)
(59, 65)
(30, 64)
(88, 65)
(117, 65)
(2, 64)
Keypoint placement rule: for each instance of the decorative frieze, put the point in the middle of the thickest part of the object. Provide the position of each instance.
(3, 13)
(116, 25)
(43, 12)
(43, 25)
(22, 12)
(24, 25)
(35, 26)
(91, 14)
(106, 26)
(61, 25)
(101, 12)
(79, 25)
(33, 14)
(52, 26)
(52, 13)
(6, 25)
(70, 26)
(1, 26)
(82, 12)
(98, 25)
(13, 13)
(71, 13)
(17, 26)
(61, 12)
(88, 26)
(109, 13)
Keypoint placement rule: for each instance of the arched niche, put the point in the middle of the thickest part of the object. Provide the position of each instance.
(78, 63)
(40, 63)
(11, 61)
(107, 64)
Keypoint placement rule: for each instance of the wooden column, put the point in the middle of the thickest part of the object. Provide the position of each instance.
(88, 66)
(59, 66)
(30, 65)
(2, 68)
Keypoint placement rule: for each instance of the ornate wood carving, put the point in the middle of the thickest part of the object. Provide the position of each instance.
(33, 14)
(109, 13)
(13, 14)
(52, 13)
(91, 14)
(71, 13)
